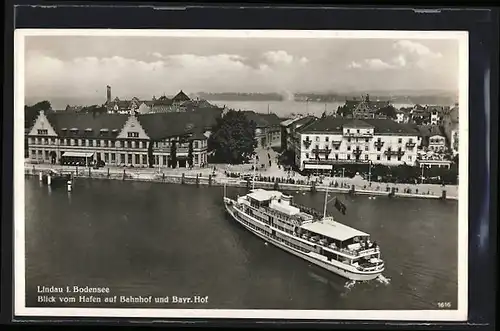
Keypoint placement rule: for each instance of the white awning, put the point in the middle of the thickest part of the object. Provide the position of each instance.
(77, 154)
(333, 230)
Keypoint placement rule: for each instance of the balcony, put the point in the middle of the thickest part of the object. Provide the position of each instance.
(396, 153)
(378, 144)
(307, 143)
(325, 151)
(336, 143)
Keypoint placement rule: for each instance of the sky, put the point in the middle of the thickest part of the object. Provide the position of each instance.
(82, 66)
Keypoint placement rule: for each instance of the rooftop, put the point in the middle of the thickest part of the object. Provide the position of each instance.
(336, 124)
(264, 195)
(332, 229)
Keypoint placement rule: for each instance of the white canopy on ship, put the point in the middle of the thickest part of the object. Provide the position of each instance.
(332, 229)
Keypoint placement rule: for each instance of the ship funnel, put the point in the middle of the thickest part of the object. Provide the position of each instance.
(286, 199)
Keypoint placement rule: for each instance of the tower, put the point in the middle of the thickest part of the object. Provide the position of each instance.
(108, 94)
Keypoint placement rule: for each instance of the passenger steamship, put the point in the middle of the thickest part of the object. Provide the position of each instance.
(321, 240)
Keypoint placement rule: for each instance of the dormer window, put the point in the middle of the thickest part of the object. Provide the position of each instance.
(88, 130)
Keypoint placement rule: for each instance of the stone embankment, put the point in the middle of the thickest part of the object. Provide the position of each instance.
(212, 178)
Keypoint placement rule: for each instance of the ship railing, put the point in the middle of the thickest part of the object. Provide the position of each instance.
(379, 266)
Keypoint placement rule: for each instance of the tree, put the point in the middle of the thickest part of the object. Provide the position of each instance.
(233, 138)
(31, 112)
(173, 153)
(190, 153)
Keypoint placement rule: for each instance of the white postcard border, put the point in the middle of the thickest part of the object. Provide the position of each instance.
(20, 309)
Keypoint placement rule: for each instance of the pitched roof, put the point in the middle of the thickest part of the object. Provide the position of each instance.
(336, 124)
(163, 125)
(357, 123)
(181, 96)
(272, 119)
(162, 101)
(87, 125)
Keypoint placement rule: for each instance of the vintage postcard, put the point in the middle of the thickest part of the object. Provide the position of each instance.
(241, 174)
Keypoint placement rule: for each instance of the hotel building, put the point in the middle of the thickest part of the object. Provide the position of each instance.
(121, 140)
(332, 140)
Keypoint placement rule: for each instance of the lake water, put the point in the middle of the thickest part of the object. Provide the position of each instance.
(285, 108)
(280, 108)
(157, 239)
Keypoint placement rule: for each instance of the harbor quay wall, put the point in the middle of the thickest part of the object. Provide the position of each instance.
(203, 179)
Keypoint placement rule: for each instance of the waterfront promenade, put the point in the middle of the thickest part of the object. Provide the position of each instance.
(218, 175)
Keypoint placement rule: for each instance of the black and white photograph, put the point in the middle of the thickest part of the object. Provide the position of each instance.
(241, 174)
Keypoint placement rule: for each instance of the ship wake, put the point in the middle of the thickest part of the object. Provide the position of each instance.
(383, 280)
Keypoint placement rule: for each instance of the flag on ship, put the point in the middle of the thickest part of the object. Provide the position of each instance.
(340, 206)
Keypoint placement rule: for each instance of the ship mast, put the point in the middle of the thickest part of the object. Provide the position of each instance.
(326, 202)
(254, 170)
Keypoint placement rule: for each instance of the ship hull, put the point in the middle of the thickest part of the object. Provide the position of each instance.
(330, 267)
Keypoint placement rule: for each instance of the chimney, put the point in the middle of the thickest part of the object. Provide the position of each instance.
(108, 94)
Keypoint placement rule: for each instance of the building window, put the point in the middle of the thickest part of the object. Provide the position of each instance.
(133, 134)
(358, 130)
(348, 156)
(43, 131)
(122, 158)
(378, 157)
(409, 158)
(196, 144)
(196, 158)
(348, 130)
(112, 142)
(307, 155)
(348, 140)
(46, 155)
(129, 144)
(400, 140)
(317, 138)
(137, 159)
(348, 148)
(366, 157)
(113, 157)
(327, 138)
(144, 159)
(366, 147)
(157, 159)
(106, 157)
(164, 160)
(336, 156)
(129, 158)
(366, 140)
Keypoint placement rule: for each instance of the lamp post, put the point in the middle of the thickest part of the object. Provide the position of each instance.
(370, 163)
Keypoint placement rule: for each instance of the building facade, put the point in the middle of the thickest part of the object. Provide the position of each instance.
(137, 106)
(450, 128)
(332, 141)
(289, 128)
(119, 140)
